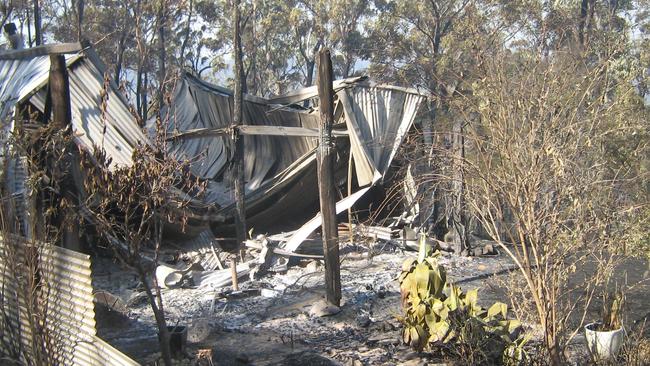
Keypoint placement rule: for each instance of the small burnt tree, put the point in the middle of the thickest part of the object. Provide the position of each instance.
(130, 205)
(555, 176)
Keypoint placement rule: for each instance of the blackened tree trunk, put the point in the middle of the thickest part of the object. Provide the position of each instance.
(80, 18)
(37, 23)
(162, 57)
(237, 167)
(120, 57)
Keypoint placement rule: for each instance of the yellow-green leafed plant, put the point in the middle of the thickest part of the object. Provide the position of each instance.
(438, 314)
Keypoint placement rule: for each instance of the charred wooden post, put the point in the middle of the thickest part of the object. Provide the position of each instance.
(62, 118)
(237, 167)
(326, 185)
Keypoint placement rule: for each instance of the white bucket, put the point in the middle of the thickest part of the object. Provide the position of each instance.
(603, 345)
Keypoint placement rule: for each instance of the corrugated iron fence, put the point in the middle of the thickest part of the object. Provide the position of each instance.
(46, 307)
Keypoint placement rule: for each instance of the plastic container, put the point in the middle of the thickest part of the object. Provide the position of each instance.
(603, 345)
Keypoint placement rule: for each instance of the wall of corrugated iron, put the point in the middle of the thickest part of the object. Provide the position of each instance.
(47, 299)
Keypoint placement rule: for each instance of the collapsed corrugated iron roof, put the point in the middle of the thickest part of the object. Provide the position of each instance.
(280, 173)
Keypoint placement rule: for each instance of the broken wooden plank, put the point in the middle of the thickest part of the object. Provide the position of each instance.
(311, 92)
(286, 131)
(253, 130)
(48, 49)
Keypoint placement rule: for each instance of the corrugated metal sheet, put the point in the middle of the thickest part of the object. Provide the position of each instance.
(204, 248)
(115, 130)
(47, 300)
(19, 78)
(100, 115)
(198, 104)
(378, 118)
(280, 171)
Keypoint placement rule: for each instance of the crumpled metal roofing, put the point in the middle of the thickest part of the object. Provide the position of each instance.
(198, 104)
(280, 171)
(114, 130)
(379, 117)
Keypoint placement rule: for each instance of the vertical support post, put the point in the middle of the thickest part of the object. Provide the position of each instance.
(60, 91)
(350, 160)
(326, 185)
(237, 167)
(62, 118)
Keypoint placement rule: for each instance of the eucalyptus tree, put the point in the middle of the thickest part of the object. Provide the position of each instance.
(433, 46)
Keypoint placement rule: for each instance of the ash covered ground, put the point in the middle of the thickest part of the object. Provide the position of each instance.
(269, 322)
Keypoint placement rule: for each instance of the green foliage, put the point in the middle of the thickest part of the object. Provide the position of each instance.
(438, 314)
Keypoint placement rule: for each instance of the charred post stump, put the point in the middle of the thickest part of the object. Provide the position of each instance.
(59, 89)
(326, 185)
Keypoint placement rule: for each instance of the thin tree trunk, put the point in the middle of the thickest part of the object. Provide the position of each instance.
(162, 71)
(6, 17)
(237, 167)
(37, 23)
(29, 30)
(159, 315)
(138, 90)
(145, 93)
(120, 58)
(459, 217)
(80, 17)
(187, 32)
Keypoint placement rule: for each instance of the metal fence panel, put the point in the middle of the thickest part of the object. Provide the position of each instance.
(46, 306)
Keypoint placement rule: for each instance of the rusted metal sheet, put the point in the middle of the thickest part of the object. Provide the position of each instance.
(47, 300)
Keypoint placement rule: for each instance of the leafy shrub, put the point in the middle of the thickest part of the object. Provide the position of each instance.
(439, 316)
